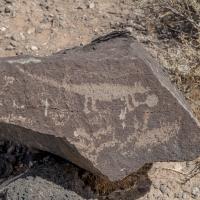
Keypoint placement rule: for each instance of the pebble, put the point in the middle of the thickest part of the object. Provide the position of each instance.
(178, 195)
(195, 192)
(130, 29)
(15, 37)
(181, 195)
(9, 48)
(91, 5)
(79, 8)
(3, 29)
(156, 185)
(13, 43)
(34, 48)
(184, 195)
(22, 36)
(31, 30)
(163, 188)
(7, 10)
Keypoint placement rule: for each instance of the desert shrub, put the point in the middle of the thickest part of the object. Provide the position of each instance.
(176, 19)
(173, 33)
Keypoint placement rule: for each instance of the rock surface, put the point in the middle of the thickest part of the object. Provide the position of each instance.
(107, 107)
(37, 188)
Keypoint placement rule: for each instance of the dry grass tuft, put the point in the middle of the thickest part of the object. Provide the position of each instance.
(176, 19)
(174, 26)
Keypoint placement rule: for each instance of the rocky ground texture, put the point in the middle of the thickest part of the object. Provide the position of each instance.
(170, 32)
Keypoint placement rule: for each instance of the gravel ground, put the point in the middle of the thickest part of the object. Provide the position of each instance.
(38, 189)
(43, 27)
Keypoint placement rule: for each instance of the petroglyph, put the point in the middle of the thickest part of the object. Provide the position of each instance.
(157, 135)
(24, 61)
(151, 101)
(11, 118)
(102, 92)
(17, 106)
(152, 137)
(108, 115)
(122, 116)
(140, 138)
(58, 117)
(123, 125)
(46, 107)
(123, 113)
(83, 139)
(8, 80)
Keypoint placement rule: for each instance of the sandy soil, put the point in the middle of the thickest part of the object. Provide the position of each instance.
(42, 27)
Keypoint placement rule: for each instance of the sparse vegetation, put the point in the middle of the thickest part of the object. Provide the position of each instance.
(177, 19)
(174, 26)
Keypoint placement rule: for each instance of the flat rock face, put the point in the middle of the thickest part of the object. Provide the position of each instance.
(106, 107)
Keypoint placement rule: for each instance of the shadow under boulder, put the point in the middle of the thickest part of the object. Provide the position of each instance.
(40, 175)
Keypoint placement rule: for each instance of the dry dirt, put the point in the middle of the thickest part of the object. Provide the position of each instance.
(43, 27)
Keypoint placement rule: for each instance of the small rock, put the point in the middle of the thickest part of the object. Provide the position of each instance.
(163, 188)
(9, 48)
(79, 8)
(7, 10)
(34, 48)
(156, 185)
(3, 29)
(19, 53)
(15, 37)
(39, 29)
(91, 5)
(178, 195)
(31, 30)
(13, 43)
(181, 195)
(184, 195)
(22, 36)
(195, 192)
(130, 29)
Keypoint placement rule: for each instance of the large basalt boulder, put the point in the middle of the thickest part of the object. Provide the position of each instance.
(107, 107)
